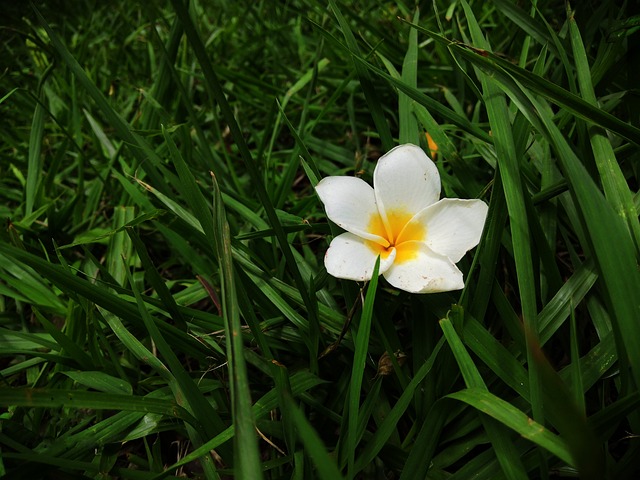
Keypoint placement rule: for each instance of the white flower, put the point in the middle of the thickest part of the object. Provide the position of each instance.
(418, 237)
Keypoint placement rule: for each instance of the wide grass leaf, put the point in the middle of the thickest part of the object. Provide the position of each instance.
(515, 419)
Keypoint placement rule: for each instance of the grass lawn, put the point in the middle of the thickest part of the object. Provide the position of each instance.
(165, 308)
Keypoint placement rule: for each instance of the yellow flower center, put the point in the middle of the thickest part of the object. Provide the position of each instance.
(398, 234)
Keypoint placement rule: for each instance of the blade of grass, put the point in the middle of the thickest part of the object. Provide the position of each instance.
(617, 267)
(586, 451)
(533, 27)
(513, 418)
(120, 244)
(616, 188)
(101, 381)
(357, 371)
(431, 104)
(158, 284)
(67, 345)
(409, 131)
(248, 465)
(325, 465)
(426, 442)
(190, 189)
(55, 398)
(26, 283)
(35, 164)
(76, 286)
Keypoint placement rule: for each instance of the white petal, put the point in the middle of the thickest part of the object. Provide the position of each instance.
(453, 226)
(351, 204)
(353, 258)
(405, 180)
(427, 272)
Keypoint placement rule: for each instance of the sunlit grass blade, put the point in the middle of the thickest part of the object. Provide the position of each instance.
(120, 245)
(101, 381)
(409, 131)
(35, 168)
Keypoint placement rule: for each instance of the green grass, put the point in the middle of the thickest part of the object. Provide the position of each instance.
(164, 308)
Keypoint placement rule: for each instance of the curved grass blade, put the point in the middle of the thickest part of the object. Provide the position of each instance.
(100, 381)
(507, 455)
(56, 398)
(513, 418)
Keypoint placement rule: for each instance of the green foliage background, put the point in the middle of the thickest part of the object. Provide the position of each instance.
(164, 309)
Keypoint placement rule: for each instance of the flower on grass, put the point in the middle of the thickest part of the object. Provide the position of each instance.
(418, 237)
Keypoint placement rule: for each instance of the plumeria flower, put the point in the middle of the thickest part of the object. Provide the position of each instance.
(418, 237)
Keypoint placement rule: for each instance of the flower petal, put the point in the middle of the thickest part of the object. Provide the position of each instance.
(350, 257)
(453, 226)
(405, 180)
(351, 204)
(426, 272)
